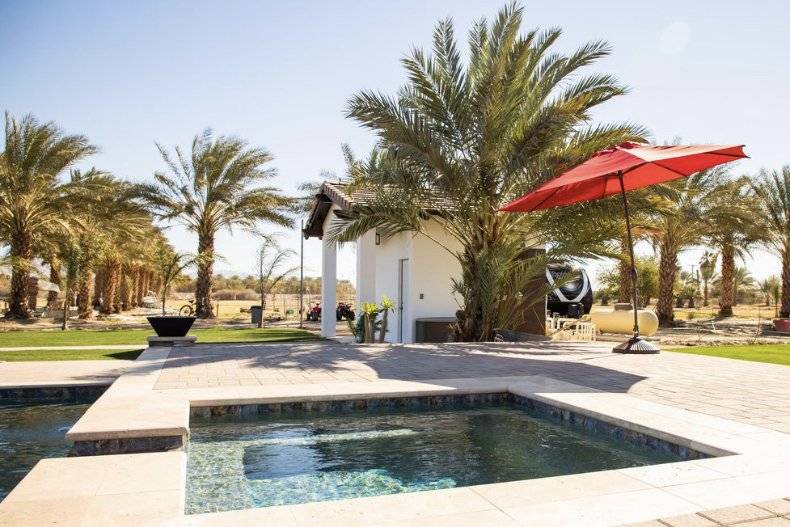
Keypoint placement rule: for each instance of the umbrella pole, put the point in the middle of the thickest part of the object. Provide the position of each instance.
(630, 253)
(635, 344)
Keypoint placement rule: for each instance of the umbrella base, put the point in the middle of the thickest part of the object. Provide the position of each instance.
(636, 345)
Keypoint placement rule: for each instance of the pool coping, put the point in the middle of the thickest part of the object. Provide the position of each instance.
(755, 465)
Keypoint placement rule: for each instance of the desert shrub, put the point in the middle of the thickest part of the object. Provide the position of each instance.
(238, 294)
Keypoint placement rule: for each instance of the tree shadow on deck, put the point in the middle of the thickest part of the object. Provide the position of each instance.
(416, 362)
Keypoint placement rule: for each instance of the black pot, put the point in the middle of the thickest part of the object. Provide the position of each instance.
(171, 326)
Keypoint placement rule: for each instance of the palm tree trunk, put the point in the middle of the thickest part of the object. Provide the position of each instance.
(112, 275)
(32, 294)
(467, 326)
(84, 296)
(666, 282)
(54, 277)
(140, 285)
(116, 299)
(98, 288)
(784, 311)
(727, 299)
(205, 269)
(624, 293)
(134, 277)
(126, 288)
(146, 285)
(21, 257)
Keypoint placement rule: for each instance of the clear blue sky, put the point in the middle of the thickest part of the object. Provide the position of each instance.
(279, 74)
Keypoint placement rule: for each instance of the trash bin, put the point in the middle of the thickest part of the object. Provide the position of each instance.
(255, 314)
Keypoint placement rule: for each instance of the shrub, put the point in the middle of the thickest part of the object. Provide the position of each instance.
(238, 294)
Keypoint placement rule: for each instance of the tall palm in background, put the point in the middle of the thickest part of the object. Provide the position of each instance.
(218, 185)
(35, 204)
(772, 191)
(707, 272)
(114, 232)
(733, 229)
(768, 286)
(459, 141)
(683, 208)
(742, 279)
(272, 268)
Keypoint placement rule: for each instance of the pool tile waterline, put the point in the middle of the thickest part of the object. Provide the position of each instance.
(297, 455)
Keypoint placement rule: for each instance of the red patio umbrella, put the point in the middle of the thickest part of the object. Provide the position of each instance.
(627, 166)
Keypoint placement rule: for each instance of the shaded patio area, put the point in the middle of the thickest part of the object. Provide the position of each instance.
(749, 392)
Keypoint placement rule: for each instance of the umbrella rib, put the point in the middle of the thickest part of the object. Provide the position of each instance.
(536, 207)
(681, 174)
(736, 156)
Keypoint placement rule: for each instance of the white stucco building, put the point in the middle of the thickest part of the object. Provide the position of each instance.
(413, 270)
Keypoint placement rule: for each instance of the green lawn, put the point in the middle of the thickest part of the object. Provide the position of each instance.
(772, 353)
(28, 355)
(92, 337)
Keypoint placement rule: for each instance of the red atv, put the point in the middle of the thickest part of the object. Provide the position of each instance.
(314, 313)
(342, 311)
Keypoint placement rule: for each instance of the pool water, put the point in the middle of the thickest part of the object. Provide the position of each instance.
(281, 460)
(30, 431)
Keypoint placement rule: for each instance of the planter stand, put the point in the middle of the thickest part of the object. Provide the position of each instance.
(171, 331)
(171, 342)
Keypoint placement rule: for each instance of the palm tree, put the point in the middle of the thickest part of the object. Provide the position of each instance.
(219, 185)
(170, 265)
(741, 278)
(109, 225)
(768, 286)
(733, 229)
(271, 270)
(772, 190)
(34, 203)
(776, 292)
(681, 221)
(461, 140)
(707, 271)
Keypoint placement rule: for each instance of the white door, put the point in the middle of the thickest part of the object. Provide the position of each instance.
(403, 292)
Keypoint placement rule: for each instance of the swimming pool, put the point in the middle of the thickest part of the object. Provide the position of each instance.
(239, 462)
(31, 430)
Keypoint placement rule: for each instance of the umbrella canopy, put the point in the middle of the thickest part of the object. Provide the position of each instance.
(627, 166)
(639, 165)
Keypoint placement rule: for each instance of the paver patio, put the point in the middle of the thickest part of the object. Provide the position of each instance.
(748, 392)
(664, 395)
(61, 373)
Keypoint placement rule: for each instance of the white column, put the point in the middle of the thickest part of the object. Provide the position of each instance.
(328, 287)
(366, 269)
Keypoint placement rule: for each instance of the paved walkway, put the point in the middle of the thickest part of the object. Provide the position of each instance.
(67, 348)
(152, 401)
(749, 392)
(61, 373)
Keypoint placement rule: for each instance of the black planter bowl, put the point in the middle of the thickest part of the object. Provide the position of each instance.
(166, 326)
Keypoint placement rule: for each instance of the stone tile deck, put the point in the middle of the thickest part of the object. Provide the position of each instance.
(714, 405)
(774, 513)
(61, 373)
(748, 392)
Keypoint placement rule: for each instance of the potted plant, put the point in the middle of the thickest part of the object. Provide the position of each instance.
(387, 305)
(170, 265)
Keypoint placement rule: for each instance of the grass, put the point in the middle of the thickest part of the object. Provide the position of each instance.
(92, 337)
(771, 353)
(31, 355)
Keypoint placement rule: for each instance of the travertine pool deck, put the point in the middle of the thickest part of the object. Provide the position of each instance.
(61, 373)
(748, 392)
(736, 409)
